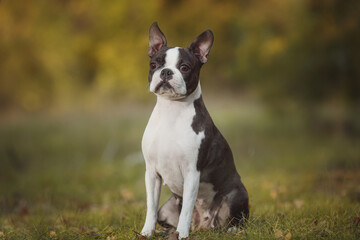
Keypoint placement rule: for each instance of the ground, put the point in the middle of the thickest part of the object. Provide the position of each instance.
(81, 175)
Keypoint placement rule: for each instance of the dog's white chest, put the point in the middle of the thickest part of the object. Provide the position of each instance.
(170, 145)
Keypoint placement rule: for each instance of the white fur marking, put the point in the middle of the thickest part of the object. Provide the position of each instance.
(153, 187)
(191, 187)
(170, 147)
(172, 57)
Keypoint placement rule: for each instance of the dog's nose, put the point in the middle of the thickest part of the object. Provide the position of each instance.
(166, 74)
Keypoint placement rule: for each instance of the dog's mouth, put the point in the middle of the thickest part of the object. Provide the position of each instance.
(163, 87)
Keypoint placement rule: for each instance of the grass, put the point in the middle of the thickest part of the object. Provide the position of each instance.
(81, 176)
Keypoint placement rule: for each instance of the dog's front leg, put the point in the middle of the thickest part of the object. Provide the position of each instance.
(153, 187)
(190, 191)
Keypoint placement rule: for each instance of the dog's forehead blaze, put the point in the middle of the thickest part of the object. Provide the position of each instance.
(172, 57)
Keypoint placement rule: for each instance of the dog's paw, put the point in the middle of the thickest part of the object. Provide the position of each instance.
(182, 234)
(146, 233)
(140, 236)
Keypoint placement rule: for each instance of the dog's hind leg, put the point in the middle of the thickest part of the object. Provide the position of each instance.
(239, 207)
(168, 214)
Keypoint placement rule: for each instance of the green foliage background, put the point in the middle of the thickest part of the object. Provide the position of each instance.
(64, 53)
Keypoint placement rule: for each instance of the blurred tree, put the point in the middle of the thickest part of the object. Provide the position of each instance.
(61, 53)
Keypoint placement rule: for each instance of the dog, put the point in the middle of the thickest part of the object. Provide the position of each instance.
(182, 147)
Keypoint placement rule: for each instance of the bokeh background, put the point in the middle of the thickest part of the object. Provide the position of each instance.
(282, 84)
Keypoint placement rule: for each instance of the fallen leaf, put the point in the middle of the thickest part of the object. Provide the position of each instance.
(273, 194)
(323, 223)
(52, 233)
(74, 229)
(127, 194)
(288, 236)
(139, 236)
(278, 234)
(84, 206)
(84, 229)
(281, 189)
(240, 232)
(2, 234)
(298, 203)
(315, 222)
(24, 211)
(356, 221)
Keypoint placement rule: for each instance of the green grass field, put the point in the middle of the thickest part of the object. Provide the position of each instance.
(81, 175)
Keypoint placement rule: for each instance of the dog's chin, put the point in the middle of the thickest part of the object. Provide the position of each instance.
(169, 93)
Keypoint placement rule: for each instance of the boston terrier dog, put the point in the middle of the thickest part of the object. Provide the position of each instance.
(183, 148)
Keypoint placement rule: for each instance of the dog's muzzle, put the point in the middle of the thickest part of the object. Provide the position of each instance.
(165, 85)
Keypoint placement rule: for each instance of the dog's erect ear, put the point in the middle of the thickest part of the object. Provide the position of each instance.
(157, 39)
(201, 45)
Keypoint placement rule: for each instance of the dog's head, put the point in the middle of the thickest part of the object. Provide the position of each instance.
(174, 71)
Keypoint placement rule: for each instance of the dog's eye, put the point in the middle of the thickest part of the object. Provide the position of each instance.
(184, 68)
(153, 66)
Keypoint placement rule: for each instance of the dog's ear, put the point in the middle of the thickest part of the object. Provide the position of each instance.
(201, 45)
(157, 39)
